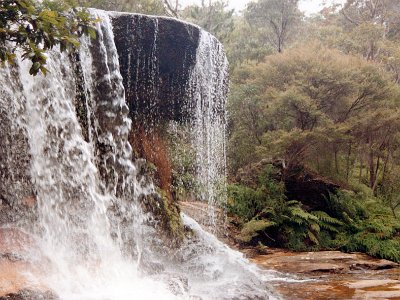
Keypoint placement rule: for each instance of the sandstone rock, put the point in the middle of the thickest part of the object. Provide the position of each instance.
(30, 295)
(323, 261)
(331, 275)
(21, 267)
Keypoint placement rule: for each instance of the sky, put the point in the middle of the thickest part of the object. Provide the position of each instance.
(307, 6)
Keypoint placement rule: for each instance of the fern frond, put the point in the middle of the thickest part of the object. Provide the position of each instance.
(315, 227)
(298, 212)
(312, 237)
(323, 216)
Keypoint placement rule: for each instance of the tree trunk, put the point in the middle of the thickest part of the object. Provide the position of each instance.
(361, 168)
(371, 168)
(385, 167)
(378, 161)
(348, 163)
(336, 161)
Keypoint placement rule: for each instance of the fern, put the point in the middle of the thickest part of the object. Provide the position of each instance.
(252, 229)
(300, 213)
(324, 217)
(315, 227)
(312, 237)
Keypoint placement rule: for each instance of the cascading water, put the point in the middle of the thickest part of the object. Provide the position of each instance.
(75, 203)
(91, 229)
(208, 87)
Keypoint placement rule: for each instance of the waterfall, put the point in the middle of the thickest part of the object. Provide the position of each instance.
(208, 85)
(79, 184)
(90, 228)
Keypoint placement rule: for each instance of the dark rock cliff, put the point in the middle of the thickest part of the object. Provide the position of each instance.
(156, 56)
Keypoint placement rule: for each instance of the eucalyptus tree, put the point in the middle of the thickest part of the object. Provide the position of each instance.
(277, 19)
(213, 15)
(371, 23)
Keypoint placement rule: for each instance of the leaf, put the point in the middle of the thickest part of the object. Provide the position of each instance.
(252, 228)
(312, 237)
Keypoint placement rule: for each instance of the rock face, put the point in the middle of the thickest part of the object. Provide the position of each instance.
(65, 153)
(308, 187)
(156, 57)
(15, 181)
(322, 262)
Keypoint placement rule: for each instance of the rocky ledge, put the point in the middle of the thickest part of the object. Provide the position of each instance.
(331, 274)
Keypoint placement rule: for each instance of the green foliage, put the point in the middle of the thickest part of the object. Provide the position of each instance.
(35, 27)
(318, 107)
(251, 229)
(377, 235)
(247, 202)
(350, 221)
(182, 154)
(329, 102)
(266, 213)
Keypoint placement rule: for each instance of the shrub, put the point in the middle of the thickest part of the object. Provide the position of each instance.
(352, 221)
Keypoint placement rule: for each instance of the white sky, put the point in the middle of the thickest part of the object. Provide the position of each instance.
(307, 6)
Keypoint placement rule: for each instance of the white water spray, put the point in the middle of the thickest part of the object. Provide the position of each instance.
(208, 86)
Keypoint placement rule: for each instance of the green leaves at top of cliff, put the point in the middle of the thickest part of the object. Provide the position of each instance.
(35, 27)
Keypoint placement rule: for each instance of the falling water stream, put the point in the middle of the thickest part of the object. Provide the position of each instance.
(208, 83)
(87, 187)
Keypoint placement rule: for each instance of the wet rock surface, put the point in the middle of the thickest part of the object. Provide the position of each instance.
(156, 56)
(332, 275)
(15, 178)
(19, 257)
(322, 262)
(199, 210)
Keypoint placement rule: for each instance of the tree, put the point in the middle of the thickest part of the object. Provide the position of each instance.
(277, 19)
(154, 7)
(172, 9)
(37, 27)
(244, 44)
(302, 106)
(380, 12)
(213, 16)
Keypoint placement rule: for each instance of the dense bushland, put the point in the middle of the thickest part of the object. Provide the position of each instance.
(351, 220)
